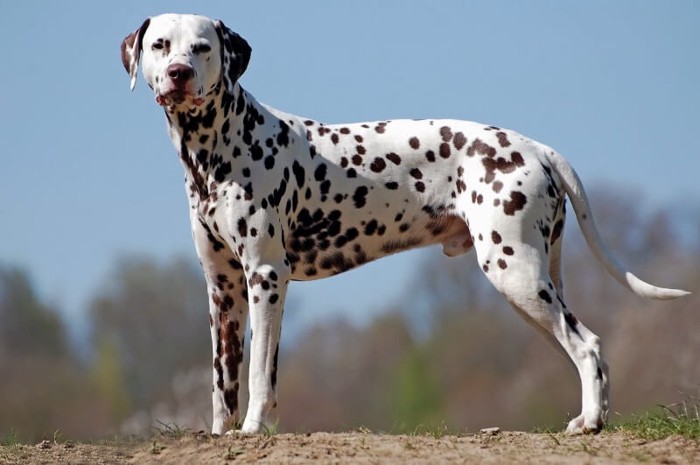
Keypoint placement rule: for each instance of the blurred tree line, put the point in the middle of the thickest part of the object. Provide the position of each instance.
(449, 354)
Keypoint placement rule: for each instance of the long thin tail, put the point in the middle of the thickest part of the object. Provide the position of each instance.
(579, 200)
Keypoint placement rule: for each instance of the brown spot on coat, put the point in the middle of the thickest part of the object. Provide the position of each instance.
(496, 237)
(503, 139)
(517, 202)
(416, 173)
(481, 148)
(544, 295)
(459, 141)
(256, 279)
(517, 158)
(394, 158)
(446, 133)
(445, 150)
(556, 231)
(378, 165)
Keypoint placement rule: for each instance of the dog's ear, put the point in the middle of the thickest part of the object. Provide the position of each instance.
(131, 51)
(235, 55)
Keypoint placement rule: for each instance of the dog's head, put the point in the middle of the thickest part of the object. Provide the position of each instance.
(185, 57)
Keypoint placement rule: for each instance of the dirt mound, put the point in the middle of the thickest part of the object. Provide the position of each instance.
(359, 447)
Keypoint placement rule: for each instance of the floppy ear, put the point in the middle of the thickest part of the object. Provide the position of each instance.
(235, 54)
(131, 51)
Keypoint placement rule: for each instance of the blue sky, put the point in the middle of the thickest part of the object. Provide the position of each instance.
(88, 172)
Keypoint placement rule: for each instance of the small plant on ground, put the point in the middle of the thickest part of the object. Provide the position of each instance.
(232, 452)
(682, 419)
(156, 448)
(271, 429)
(9, 439)
(170, 430)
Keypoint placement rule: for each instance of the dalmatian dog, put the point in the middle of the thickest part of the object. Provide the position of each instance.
(276, 197)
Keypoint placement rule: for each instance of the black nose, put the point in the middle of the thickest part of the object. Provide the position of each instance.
(180, 74)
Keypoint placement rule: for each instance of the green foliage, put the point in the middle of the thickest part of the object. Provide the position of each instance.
(232, 452)
(108, 378)
(150, 321)
(435, 430)
(679, 419)
(9, 439)
(417, 400)
(43, 386)
(170, 430)
(27, 325)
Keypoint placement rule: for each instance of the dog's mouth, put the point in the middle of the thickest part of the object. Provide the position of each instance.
(178, 97)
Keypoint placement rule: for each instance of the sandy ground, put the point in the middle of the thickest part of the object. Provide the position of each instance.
(361, 448)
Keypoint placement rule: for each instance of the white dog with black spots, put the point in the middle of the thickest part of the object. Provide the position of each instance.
(275, 197)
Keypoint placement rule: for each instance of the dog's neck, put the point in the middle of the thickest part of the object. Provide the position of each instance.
(206, 136)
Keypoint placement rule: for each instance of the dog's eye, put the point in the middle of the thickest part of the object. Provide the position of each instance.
(201, 48)
(157, 46)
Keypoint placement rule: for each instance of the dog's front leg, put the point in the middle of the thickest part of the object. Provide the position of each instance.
(228, 312)
(267, 288)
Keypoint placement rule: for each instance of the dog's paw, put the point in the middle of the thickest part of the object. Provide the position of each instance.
(582, 424)
(253, 427)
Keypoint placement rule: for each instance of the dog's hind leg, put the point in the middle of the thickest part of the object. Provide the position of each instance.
(515, 259)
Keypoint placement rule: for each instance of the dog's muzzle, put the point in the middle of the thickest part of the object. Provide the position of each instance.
(178, 87)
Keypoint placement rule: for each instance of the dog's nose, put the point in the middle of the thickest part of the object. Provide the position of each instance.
(180, 73)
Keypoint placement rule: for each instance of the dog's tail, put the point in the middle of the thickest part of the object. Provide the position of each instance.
(579, 200)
